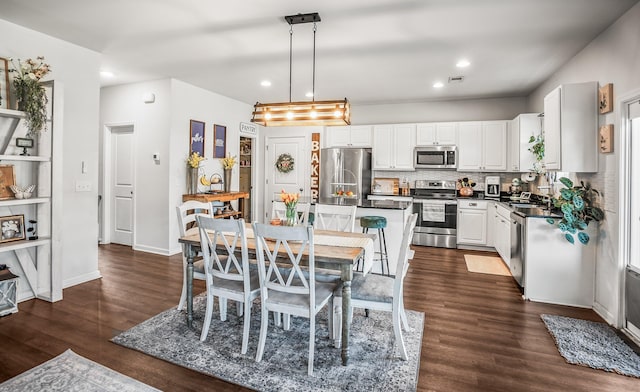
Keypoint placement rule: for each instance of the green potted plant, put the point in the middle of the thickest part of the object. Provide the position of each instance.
(537, 149)
(577, 204)
(30, 94)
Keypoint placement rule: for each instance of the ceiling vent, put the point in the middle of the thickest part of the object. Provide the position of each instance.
(456, 79)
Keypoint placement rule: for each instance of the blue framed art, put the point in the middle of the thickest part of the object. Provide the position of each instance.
(219, 141)
(196, 137)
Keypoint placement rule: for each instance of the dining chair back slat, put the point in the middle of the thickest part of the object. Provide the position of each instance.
(279, 209)
(334, 217)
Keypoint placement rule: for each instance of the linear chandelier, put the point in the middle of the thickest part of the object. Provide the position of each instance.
(336, 112)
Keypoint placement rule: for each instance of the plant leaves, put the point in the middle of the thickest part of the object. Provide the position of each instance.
(569, 238)
(566, 194)
(597, 213)
(566, 182)
(580, 224)
(583, 237)
(563, 226)
(550, 221)
(569, 218)
(578, 202)
(567, 208)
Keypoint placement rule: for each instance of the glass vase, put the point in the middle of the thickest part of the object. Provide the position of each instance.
(227, 180)
(290, 214)
(192, 180)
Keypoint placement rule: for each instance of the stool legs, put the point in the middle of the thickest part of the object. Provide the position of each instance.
(384, 256)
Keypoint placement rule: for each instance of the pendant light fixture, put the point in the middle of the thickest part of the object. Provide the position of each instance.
(302, 113)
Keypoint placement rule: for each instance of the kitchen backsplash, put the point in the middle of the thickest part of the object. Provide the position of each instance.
(451, 175)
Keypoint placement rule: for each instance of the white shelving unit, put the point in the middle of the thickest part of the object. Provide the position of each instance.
(37, 262)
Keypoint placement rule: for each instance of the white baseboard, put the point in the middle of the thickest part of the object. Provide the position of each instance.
(81, 279)
(632, 332)
(151, 249)
(605, 314)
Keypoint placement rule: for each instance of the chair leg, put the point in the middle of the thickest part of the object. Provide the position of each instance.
(337, 325)
(312, 342)
(264, 323)
(330, 311)
(385, 254)
(239, 308)
(403, 316)
(207, 317)
(277, 321)
(286, 321)
(397, 331)
(223, 308)
(183, 296)
(247, 321)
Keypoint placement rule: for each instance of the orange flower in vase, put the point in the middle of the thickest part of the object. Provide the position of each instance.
(290, 201)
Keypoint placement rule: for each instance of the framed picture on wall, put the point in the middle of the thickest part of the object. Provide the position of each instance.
(219, 141)
(12, 228)
(196, 139)
(5, 101)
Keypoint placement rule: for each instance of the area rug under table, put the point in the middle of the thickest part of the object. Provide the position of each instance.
(69, 372)
(374, 364)
(592, 344)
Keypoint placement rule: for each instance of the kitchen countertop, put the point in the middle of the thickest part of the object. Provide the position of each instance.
(539, 211)
(386, 204)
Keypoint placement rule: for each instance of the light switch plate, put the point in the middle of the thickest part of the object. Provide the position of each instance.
(83, 186)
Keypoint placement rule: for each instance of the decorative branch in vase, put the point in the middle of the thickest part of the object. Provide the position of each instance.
(31, 95)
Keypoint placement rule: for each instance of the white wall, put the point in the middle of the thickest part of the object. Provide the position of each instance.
(431, 111)
(78, 71)
(613, 57)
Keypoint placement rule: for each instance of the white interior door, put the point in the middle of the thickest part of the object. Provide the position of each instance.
(294, 181)
(122, 185)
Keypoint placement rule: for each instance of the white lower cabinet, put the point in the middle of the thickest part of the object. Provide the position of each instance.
(472, 222)
(502, 232)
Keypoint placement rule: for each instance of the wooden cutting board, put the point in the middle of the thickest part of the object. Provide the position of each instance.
(388, 185)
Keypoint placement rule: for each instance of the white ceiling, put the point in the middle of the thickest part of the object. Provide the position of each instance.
(370, 51)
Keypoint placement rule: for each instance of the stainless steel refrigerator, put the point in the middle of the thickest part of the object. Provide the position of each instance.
(345, 175)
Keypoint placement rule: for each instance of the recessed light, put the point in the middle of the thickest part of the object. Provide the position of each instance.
(438, 85)
(265, 83)
(309, 94)
(107, 74)
(463, 63)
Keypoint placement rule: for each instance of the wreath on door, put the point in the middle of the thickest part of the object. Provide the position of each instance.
(284, 163)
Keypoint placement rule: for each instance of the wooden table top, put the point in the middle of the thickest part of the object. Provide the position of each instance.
(218, 196)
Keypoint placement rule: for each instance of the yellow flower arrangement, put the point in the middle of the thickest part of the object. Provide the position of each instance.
(228, 162)
(289, 199)
(194, 160)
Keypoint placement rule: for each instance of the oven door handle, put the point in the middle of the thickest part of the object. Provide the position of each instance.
(436, 202)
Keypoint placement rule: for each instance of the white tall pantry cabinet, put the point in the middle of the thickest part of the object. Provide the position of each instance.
(571, 128)
(36, 262)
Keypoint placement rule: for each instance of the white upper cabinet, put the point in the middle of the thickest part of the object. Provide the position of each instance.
(571, 128)
(349, 136)
(393, 146)
(521, 128)
(437, 134)
(482, 146)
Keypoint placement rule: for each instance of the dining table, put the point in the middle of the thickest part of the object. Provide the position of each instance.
(336, 250)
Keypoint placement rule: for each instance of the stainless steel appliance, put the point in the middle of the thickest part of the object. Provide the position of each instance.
(518, 247)
(345, 175)
(437, 209)
(435, 157)
(492, 186)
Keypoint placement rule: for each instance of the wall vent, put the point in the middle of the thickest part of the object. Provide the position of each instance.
(456, 79)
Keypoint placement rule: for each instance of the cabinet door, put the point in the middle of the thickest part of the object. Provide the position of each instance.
(404, 137)
(472, 227)
(338, 136)
(425, 134)
(447, 133)
(360, 136)
(490, 228)
(469, 146)
(494, 146)
(382, 147)
(552, 130)
(513, 143)
(529, 126)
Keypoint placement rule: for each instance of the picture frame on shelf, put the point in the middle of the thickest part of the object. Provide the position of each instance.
(7, 179)
(5, 98)
(12, 228)
(196, 137)
(219, 141)
(605, 98)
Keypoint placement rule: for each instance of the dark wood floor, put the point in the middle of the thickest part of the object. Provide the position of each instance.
(479, 335)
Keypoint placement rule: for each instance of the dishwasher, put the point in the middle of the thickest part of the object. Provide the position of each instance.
(518, 249)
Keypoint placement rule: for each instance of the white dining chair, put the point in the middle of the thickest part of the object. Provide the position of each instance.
(290, 290)
(227, 277)
(334, 217)
(385, 293)
(279, 209)
(187, 212)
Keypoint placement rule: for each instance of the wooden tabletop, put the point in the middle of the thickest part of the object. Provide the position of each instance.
(218, 196)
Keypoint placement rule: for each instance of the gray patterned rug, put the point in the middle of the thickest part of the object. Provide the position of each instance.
(375, 364)
(592, 344)
(69, 372)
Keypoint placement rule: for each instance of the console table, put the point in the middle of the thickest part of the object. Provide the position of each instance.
(223, 197)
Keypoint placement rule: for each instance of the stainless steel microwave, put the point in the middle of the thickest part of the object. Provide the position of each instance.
(435, 157)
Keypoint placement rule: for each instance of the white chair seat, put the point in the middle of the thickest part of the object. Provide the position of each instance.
(198, 267)
(323, 293)
(372, 287)
(237, 285)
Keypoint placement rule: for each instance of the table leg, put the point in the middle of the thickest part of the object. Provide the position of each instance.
(346, 276)
(191, 254)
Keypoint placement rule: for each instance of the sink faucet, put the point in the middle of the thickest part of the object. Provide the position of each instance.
(547, 198)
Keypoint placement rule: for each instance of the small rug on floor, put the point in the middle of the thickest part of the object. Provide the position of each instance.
(69, 372)
(592, 344)
(374, 364)
(486, 265)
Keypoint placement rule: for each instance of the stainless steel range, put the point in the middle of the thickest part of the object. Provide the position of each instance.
(437, 208)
